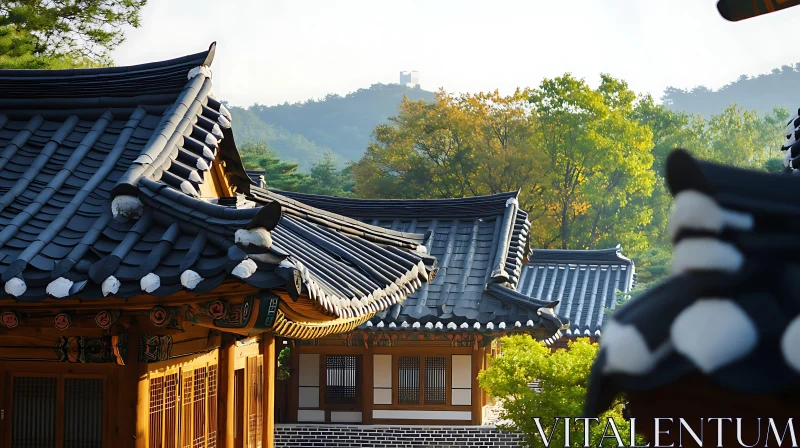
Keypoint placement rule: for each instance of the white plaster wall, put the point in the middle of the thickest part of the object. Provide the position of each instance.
(462, 371)
(382, 371)
(309, 397)
(311, 416)
(461, 397)
(422, 415)
(382, 379)
(309, 369)
(345, 417)
(382, 396)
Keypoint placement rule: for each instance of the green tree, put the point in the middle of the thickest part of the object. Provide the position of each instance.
(576, 154)
(288, 146)
(563, 377)
(454, 147)
(735, 137)
(739, 137)
(327, 179)
(278, 174)
(63, 33)
(598, 163)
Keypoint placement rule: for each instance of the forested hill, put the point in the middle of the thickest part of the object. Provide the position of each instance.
(781, 87)
(303, 132)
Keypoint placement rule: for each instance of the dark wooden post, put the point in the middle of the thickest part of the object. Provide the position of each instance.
(140, 372)
(227, 360)
(128, 386)
(367, 377)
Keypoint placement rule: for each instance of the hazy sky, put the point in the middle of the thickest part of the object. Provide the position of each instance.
(271, 51)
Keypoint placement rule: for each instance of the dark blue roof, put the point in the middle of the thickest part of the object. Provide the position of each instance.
(584, 282)
(479, 244)
(72, 141)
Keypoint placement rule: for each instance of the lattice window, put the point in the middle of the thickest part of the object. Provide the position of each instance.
(239, 407)
(435, 380)
(83, 413)
(170, 426)
(52, 410)
(183, 408)
(156, 412)
(187, 390)
(34, 412)
(199, 408)
(342, 379)
(408, 374)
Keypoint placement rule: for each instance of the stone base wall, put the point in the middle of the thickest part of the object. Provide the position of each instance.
(392, 436)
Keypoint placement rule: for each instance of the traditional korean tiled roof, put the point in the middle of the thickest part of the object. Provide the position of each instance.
(479, 245)
(100, 180)
(584, 282)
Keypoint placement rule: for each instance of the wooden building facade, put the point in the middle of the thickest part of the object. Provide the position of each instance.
(417, 362)
(146, 277)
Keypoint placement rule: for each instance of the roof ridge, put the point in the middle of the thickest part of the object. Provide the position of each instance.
(72, 73)
(368, 231)
(155, 83)
(616, 249)
(473, 207)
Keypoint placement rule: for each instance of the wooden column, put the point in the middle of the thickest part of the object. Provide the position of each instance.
(227, 363)
(477, 409)
(142, 400)
(367, 377)
(268, 350)
(128, 387)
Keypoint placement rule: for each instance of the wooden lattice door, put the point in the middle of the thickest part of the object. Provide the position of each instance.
(183, 407)
(56, 411)
(164, 409)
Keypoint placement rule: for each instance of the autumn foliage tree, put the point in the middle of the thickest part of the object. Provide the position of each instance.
(575, 154)
(455, 146)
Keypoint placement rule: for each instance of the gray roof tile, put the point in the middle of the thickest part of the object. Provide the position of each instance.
(465, 241)
(70, 141)
(585, 282)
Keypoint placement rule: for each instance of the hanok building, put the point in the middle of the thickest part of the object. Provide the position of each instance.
(586, 284)
(146, 278)
(417, 362)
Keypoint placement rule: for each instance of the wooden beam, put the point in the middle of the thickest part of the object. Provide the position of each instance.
(268, 350)
(226, 388)
(224, 187)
